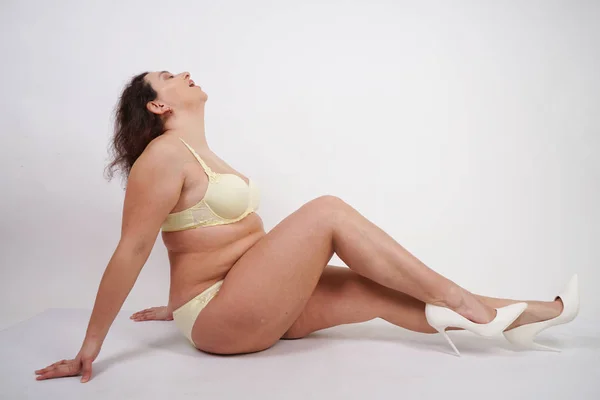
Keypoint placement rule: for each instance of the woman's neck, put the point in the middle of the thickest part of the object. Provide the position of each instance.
(189, 126)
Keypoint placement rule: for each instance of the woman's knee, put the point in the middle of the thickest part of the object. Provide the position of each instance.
(329, 201)
(326, 207)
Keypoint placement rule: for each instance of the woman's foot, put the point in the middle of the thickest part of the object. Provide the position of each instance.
(543, 315)
(468, 305)
(476, 310)
(538, 311)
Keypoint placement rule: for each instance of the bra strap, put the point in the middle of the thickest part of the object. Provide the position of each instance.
(212, 176)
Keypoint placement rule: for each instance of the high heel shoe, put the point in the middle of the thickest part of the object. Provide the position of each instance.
(523, 335)
(441, 318)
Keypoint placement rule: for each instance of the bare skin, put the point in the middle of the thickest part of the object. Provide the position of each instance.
(267, 289)
(342, 297)
(277, 284)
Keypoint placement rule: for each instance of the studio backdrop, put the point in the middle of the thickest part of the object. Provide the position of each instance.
(467, 130)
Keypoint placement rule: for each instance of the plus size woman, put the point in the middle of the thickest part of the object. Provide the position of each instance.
(235, 288)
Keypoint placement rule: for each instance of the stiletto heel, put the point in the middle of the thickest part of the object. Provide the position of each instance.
(523, 335)
(445, 334)
(441, 318)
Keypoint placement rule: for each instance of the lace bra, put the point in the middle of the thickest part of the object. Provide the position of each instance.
(228, 199)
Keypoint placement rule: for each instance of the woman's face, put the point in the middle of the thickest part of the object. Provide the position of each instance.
(174, 91)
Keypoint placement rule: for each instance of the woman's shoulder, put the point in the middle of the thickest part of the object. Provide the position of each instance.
(163, 144)
(161, 151)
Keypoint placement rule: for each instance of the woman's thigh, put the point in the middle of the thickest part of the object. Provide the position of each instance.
(267, 288)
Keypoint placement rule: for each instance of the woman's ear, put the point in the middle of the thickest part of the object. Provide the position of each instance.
(157, 107)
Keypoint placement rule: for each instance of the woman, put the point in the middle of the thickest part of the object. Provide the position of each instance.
(237, 289)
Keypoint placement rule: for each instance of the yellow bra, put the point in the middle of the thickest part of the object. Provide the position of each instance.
(228, 199)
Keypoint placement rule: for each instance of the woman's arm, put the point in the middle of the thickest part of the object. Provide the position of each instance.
(153, 189)
(116, 284)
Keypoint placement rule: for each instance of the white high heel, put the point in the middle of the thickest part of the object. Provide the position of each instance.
(523, 335)
(441, 318)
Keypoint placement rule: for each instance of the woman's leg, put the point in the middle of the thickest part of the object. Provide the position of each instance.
(344, 297)
(268, 287)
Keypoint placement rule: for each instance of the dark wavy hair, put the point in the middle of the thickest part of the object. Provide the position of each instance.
(134, 127)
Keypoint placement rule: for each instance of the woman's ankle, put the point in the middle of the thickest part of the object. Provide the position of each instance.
(467, 304)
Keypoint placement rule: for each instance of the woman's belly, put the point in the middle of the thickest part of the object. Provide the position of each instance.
(202, 256)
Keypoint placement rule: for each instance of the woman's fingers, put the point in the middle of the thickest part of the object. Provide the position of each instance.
(49, 367)
(147, 314)
(58, 369)
(153, 313)
(142, 313)
(135, 314)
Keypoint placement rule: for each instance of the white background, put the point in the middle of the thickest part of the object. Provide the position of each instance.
(468, 130)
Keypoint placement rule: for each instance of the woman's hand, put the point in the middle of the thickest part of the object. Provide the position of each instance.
(153, 314)
(81, 364)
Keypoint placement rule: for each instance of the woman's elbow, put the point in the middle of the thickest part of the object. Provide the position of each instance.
(136, 246)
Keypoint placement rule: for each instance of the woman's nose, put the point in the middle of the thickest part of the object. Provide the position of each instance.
(186, 75)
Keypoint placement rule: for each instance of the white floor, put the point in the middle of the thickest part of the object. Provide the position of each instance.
(375, 360)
